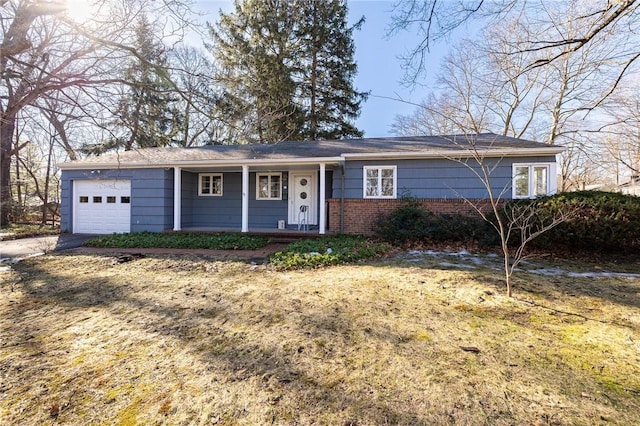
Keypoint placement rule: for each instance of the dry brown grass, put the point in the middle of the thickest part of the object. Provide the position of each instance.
(171, 340)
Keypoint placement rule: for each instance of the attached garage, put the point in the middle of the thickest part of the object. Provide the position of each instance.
(101, 206)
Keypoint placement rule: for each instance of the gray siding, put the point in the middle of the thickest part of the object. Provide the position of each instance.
(152, 191)
(151, 196)
(209, 211)
(434, 178)
(226, 211)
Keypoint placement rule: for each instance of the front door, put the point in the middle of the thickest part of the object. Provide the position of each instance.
(303, 197)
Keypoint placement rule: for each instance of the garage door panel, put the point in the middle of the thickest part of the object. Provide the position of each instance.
(102, 207)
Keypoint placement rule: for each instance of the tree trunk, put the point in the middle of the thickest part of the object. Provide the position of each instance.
(19, 211)
(7, 126)
(45, 198)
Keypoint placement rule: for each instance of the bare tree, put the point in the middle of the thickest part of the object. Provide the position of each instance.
(490, 82)
(434, 20)
(516, 223)
(192, 71)
(44, 52)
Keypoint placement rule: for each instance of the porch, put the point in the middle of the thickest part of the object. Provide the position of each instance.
(280, 199)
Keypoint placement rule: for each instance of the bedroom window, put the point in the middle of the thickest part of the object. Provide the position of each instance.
(532, 180)
(269, 186)
(380, 181)
(210, 184)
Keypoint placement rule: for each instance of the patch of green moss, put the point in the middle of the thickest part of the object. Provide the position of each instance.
(423, 336)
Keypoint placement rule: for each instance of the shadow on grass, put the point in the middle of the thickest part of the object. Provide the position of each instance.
(241, 359)
(552, 287)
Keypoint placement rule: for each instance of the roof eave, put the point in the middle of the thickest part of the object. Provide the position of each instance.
(199, 163)
(458, 153)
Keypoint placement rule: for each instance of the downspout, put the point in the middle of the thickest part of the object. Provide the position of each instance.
(342, 197)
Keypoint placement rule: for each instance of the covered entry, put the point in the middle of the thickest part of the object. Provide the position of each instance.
(101, 206)
(302, 198)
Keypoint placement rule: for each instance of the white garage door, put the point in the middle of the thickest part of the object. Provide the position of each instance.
(101, 206)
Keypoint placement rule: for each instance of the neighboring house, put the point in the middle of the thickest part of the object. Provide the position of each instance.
(631, 187)
(326, 186)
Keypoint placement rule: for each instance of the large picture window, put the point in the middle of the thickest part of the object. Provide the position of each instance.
(532, 180)
(269, 186)
(379, 182)
(210, 184)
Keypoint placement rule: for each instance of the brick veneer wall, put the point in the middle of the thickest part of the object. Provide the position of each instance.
(360, 214)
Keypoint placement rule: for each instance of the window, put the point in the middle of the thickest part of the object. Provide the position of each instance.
(125, 200)
(84, 199)
(210, 184)
(380, 181)
(269, 186)
(111, 200)
(97, 199)
(533, 180)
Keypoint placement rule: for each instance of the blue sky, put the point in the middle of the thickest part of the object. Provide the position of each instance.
(379, 70)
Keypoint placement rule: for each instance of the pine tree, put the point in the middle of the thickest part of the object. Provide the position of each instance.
(147, 112)
(253, 49)
(288, 69)
(328, 49)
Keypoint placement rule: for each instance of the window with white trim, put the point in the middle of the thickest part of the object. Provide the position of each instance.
(210, 184)
(379, 181)
(269, 186)
(533, 180)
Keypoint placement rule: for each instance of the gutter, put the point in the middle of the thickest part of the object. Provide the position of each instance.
(466, 153)
(197, 163)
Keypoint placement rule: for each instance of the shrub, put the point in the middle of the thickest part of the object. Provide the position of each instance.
(222, 241)
(464, 228)
(410, 222)
(601, 221)
(313, 253)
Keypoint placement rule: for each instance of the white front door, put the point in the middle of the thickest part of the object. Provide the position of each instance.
(303, 196)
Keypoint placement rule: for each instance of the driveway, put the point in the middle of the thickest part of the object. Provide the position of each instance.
(18, 249)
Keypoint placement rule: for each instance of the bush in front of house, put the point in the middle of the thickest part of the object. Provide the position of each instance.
(326, 251)
(600, 221)
(221, 241)
(410, 222)
(413, 223)
(465, 228)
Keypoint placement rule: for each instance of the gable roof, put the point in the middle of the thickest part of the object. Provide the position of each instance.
(327, 151)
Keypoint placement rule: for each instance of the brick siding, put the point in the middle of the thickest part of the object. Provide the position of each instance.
(360, 214)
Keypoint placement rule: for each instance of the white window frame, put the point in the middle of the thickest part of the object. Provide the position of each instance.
(552, 185)
(211, 176)
(269, 175)
(380, 169)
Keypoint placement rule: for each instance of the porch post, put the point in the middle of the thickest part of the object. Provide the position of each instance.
(322, 218)
(245, 198)
(177, 198)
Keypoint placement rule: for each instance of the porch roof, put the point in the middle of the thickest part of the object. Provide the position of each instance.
(314, 152)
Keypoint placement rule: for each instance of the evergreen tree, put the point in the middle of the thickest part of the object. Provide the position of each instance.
(287, 69)
(329, 70)
(147, 112)
(254, 52)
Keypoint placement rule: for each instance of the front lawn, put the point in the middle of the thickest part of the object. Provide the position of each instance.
(409, 340)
